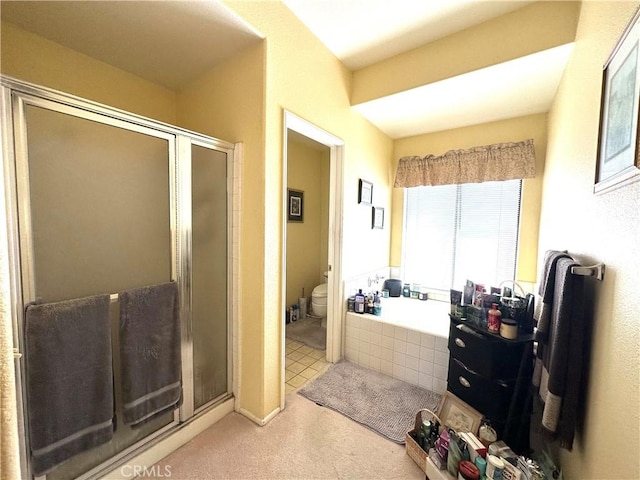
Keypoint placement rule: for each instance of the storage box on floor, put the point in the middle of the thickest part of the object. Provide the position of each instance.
(461, 455)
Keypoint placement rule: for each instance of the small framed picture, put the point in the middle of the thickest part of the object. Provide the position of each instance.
(618, 162)
(296, 206)
(377, 217)
(458, 415)
(365, 192)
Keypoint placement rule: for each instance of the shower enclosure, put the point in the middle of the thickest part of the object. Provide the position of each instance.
(100, 201)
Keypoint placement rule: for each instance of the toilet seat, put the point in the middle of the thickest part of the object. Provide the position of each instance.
(320, 291)
(319, 300)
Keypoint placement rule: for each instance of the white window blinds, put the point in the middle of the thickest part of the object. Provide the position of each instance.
(458, 232)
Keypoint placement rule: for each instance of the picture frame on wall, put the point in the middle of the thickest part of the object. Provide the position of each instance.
(618, 163)
(377, 217)
(365, 192)
(295, 205)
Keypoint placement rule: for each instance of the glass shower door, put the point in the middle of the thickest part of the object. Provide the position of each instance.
(99, 203)
(209, 305)
(102, 201)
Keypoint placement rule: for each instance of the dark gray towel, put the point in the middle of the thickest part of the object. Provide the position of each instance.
(69, 379)
(563, 355)
(546, 289)
(150, 351)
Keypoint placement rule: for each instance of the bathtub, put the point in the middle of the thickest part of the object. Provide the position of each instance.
(408, 341)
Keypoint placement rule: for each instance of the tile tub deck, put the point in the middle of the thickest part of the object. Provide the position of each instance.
(408, 341)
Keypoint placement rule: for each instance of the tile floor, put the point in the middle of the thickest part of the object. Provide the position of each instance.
(302, 364)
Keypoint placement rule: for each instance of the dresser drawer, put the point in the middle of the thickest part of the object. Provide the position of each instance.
(486, 354)
(490, 397)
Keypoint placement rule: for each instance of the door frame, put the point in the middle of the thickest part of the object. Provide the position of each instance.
(334, 289)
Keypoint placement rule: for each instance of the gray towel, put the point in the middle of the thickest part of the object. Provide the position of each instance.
(562, 357)
(150, 351)
(69, 379)
(546, 289)
(546, 292)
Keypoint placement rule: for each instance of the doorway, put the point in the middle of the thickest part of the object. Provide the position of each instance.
(331, 149)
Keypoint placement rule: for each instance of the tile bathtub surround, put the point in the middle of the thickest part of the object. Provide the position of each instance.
(302, 363)
(418, 358)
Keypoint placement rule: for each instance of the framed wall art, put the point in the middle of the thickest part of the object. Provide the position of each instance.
(618, 163)
(365, 192)
(377, 217)
(296, 206)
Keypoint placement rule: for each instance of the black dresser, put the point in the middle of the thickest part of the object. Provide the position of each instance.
(493, 375)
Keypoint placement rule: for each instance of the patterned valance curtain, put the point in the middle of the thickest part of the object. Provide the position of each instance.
(502, 161)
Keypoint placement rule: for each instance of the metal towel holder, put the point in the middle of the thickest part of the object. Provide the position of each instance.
(596, 271)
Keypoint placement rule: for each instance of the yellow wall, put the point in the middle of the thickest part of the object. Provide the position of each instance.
(306, 79)
(306, 251)
(293, 71)
(243, 100)
(602, 228)
(228, 102)
(536, 27)
(512, 130)
(31, 58)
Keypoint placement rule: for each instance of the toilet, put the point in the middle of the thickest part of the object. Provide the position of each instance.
(319, 301)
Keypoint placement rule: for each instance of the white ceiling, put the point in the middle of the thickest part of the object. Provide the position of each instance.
(363, 32)
(524, 86)
(173, 42)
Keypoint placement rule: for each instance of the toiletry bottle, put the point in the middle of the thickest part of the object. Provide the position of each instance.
(351, 304)
(377, 305)
(359, 304)
(493, 320)
(406, 290)
(370, 304)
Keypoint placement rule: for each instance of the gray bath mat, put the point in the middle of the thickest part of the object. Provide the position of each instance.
(308, 331)
(384, 404)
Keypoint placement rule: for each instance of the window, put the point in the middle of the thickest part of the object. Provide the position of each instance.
(457, 232)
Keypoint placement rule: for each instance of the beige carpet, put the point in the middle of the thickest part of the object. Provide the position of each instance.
(305, 441)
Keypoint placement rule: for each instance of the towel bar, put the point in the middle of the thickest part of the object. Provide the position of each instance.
(596, 271)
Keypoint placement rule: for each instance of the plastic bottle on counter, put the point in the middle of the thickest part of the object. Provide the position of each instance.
(406, 290)
(369, 308)
(377, 305)
(359, 305)
(351, 303)
(493, 319)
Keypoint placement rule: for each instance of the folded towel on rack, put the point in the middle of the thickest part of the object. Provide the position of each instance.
(150, 351)
(69, 379)
(562, 355)
(546, 289)
(545, 303)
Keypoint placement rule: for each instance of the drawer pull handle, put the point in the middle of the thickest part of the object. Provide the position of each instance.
(460, 342)
(464, 382)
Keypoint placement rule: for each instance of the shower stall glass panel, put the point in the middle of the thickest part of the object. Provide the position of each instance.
(102, 201)
(209, 255)
(100, 223)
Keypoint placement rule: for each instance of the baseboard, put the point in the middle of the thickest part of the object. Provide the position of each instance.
(143, 463)
(260, 421)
